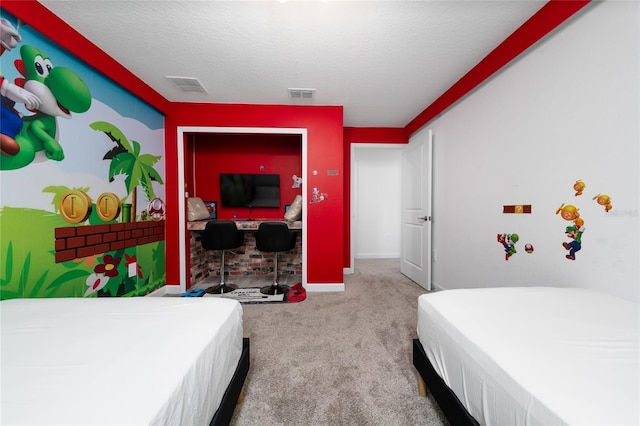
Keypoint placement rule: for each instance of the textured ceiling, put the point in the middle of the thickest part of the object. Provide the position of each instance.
(384, 61)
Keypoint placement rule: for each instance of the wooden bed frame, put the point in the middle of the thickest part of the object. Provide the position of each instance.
(428, 379)
(235, 391)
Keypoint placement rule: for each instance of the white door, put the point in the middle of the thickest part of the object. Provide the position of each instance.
(415, 248)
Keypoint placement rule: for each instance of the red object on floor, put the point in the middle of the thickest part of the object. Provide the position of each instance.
(296, 293)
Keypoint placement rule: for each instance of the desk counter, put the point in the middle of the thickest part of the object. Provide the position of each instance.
(244, 225)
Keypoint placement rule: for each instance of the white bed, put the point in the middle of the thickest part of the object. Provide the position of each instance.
(535, 356)
(116, 361)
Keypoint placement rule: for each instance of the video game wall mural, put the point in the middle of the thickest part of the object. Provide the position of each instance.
(81, 176)
(570, 212)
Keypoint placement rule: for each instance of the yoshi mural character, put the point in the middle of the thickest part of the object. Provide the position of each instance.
(61, 91)
(10, 119)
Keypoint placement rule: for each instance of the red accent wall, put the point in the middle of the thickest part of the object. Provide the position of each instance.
(244, 153)
(324, 125)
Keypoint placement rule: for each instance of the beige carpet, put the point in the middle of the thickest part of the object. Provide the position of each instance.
(338, 358)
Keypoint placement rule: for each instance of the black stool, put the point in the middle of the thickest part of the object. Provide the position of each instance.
(275, 237)
(221, 235)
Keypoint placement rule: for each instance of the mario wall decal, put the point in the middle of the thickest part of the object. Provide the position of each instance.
(508, 241)
(10, 119)
(317, 196)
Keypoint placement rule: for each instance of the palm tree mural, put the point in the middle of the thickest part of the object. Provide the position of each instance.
(126, 159)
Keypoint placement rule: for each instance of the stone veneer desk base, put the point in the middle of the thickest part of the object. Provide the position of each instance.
(245, 260)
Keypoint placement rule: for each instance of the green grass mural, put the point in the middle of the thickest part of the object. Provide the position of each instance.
(28, 268)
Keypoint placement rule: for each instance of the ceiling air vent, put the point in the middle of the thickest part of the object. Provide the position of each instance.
(301, 93)
(188, 84)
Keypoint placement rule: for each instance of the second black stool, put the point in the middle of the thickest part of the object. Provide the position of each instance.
(275, 237)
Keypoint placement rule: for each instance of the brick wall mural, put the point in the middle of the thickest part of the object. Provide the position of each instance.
(82, 241)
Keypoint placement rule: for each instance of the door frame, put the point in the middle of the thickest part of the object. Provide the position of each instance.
(182, 132)
(355, 147)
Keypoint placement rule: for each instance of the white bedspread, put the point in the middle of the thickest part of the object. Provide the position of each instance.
(536, 356)
(117, 361)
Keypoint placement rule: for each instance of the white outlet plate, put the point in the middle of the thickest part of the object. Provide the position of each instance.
(133, 269)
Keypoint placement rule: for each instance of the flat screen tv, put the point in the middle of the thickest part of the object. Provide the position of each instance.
(249, 190)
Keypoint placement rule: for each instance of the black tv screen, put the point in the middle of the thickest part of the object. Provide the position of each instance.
(249, 190)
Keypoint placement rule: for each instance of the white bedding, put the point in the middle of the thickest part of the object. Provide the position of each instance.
(117, 361)
(536, 356)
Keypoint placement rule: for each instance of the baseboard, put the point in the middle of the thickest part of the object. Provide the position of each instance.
(165, 290)
(315, 287)
(348, 271)
(435, 287)
(319, 287)
(378, 256)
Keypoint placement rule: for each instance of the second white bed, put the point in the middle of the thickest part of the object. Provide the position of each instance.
(535, 356)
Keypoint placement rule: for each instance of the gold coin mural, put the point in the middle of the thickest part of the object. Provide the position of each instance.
(75, 206)
(108, 206)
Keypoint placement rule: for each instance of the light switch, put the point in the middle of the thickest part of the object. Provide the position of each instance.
(133, 269)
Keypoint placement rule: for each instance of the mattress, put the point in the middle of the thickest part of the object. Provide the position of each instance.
(536, 356)
(116, 361)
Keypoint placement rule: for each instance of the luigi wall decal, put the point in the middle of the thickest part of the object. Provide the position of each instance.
(571, 213)
(575, 235)
(574, 232)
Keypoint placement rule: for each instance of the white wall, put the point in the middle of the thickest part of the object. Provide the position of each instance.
(568, 109)
(376, 201)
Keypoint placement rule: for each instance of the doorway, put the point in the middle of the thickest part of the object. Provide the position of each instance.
(375, 201)
(183, 132)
